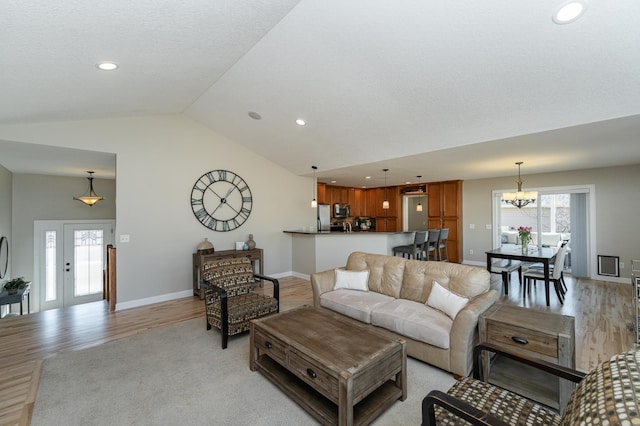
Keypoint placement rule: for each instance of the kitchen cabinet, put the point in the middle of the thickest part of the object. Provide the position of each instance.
(357, 202)
(445, 211)
(387, 224)
(338, 194)
(322, 194)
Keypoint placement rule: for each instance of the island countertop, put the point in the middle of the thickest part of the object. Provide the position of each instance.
(314, 251)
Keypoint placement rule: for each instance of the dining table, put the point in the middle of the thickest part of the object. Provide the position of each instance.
(533, 254)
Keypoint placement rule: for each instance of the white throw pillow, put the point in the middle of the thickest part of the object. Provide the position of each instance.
(352, 280)
(446, 301)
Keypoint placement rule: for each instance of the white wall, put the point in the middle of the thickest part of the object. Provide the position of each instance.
(158, 159)
(617, 191)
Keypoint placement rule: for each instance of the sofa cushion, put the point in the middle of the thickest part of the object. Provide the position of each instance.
(385, 272)
(446, 301)
(353, 303)
(351, 280)
(414, 320)
(464, 280)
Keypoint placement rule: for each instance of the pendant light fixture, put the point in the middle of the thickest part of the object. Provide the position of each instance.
(520, 198)
(385, 203)
(419, 206)
(92, 198)
(314, 202)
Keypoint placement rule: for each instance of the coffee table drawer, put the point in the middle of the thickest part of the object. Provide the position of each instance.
(523, 339)
(271, 346)
(315, 375)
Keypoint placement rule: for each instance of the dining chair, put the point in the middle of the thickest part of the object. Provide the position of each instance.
(442, 244)
(505, 267)
(539, 267)
(414, 250)
(431, 246)
(555, 276)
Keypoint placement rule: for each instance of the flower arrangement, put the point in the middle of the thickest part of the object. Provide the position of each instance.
(525, 235)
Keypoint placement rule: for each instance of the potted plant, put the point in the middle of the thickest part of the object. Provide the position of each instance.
(15, 284)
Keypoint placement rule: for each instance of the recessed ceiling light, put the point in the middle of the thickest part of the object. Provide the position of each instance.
(333, 181)
(107, 66)
(254, 115)
(367, 177)
(570, 11)
(300, 122)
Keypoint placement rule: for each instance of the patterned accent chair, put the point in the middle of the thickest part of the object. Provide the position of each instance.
(607, 395)
(230, 300)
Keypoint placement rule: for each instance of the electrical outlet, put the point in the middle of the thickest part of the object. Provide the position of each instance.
(621, 265)
(487, 226)
(472, 226)
(124, 238)
(470, 251)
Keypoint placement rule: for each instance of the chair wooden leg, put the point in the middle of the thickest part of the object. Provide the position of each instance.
(505, 282)
(224, 316)
(556, 285)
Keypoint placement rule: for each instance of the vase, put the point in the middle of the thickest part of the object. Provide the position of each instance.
(250, 243)
(205, 247)
(525, 247)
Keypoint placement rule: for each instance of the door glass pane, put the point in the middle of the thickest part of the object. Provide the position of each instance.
(88, 261)
(511, 218)
(50, 266)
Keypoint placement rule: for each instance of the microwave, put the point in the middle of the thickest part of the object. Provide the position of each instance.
(340, 210)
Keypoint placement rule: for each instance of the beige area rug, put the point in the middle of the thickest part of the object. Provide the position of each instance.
(179, 375)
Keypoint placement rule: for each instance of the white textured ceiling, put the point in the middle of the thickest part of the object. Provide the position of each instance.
(440, 89)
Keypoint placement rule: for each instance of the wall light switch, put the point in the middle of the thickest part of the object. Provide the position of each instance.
(470, 251)
(488, 226)
(124, 238)
(472, 226)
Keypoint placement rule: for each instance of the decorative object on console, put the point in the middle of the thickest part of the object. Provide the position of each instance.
(92, 198)
(221, 200)
(520, 198)
(12, 286)
(251, 244)
(385, 203)
(205, 247)
(314, 202)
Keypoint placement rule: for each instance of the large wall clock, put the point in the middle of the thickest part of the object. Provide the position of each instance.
(221, 200)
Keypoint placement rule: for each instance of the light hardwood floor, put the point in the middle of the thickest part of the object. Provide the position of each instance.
(602, 311)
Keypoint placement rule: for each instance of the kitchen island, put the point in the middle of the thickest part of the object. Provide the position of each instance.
(320, 251)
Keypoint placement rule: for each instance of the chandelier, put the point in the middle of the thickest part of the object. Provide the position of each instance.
(92, 198)
(520, 198)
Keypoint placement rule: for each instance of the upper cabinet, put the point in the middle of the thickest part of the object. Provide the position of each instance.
(357, 202)
(322, 194)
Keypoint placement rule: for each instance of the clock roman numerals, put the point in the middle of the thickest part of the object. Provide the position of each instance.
(221, 200)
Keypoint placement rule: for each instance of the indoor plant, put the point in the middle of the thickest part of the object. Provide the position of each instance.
(12, 286)
(525, 236)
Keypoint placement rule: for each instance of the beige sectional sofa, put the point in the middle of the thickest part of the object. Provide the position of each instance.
(397, 297)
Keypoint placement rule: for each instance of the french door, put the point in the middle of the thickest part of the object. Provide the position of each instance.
(70, 259)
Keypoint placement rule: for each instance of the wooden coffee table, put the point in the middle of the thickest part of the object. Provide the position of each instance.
(339, 370)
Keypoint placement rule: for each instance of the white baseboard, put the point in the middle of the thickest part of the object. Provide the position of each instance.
(186, 293)
(155, 299)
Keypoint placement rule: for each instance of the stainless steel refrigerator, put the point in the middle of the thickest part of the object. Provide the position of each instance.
(324, 217)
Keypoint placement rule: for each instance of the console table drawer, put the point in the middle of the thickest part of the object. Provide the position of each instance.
(271, 346)
(521, 338)
(315, 375)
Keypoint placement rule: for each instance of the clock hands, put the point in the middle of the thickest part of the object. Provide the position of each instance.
(223, 200)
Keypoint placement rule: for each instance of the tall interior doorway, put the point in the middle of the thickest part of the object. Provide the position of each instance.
(69, 259)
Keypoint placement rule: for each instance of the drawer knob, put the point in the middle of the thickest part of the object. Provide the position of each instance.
(520, 340)
(268, 345)
(311, 373)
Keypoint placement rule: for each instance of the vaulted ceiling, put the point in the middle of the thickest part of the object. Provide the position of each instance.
(445, 90)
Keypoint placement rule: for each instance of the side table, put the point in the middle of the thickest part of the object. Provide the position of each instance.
(255, 255)
(542, 335)
(9, 299)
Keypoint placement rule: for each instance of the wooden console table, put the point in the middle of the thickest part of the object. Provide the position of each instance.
(254, 255)
(538, 334)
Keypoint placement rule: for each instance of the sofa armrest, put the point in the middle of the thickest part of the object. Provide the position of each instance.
(464, 333)
(322, 282)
